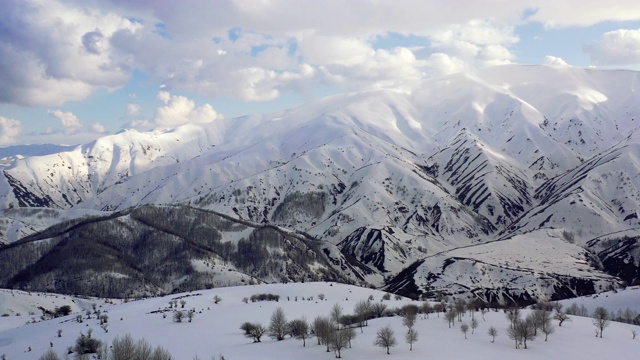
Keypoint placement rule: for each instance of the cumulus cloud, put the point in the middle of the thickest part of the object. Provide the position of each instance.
(133, 109)
(180, 110)
(98, 128)
(620, 47)
(70, 123)
(477, 43)
(9, 130)
(554, 61)
(446, 64)
(52, 52)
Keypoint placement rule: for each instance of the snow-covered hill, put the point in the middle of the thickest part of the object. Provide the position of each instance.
(215, 328)
(386, 179)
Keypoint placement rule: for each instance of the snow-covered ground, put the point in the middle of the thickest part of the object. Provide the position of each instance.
(611, 300)
(215, 328)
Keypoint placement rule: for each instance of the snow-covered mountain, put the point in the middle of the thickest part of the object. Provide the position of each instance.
(394, 186)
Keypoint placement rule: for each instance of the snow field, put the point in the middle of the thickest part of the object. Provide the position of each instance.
(215, 329)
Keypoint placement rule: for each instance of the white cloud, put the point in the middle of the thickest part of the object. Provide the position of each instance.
(55, 51)
(477, 43)
(620, 47)
(554, 61)
(446, 64)
(52, 52)
(10, 129)
(133, 109)
(69, 122)
(180, 110)
(98, 128)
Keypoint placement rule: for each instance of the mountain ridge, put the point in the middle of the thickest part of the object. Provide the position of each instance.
(384, 178)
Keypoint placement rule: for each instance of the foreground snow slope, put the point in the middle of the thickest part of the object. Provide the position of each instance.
(215, 329)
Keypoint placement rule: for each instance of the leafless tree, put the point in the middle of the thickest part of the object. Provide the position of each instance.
(178, 316)
(411, 336)
(426, 309)
(493, 333)
(339, 338)
(633, 333)
(561, 316)
(362, 312)
(601, 319)
(49, 355)
(257, 331)
(190, 315)
(322, 329)
(299, 329)
(450, 316)
(522, 331)
(460, 306)
(378, 309)
(385, 338)
(464, 328)
(474, 325)
(278, 325)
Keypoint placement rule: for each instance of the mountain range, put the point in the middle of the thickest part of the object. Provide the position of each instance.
(513, 183)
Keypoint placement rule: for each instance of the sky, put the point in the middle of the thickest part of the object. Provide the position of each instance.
(73, 71)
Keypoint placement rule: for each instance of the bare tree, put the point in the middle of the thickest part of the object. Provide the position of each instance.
(450, 316)
(409, 319)
(522, 331)
(493, 333)
(178, 316)
(601, 319)
(561, 316)
(460, 306)
(125, 348)
(183, 303)
(256, 332)
(385, 338)
(336, 313)
(543, 322)
(378, 309)
(49, 355)
(339, 338)
(278, 325)
(464, 328)
(299, 329)
(362, 312)
(474, 325)
(633, 333)
(513, 314)
(411, 336)
(426, 309)
(246, 327)
(216, 299)
(190, 315)
(59, 332)
(322, 329)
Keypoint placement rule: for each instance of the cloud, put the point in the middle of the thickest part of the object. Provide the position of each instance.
(55, 51)
(554, 61)
(620, 47)
(10, 129)
(446, 64)
(98, 128)
(70, 123)
(568, 13)
(52, 52)
(180, 110)
(133, 109)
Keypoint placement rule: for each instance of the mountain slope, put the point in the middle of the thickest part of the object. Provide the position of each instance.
(383, 179)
